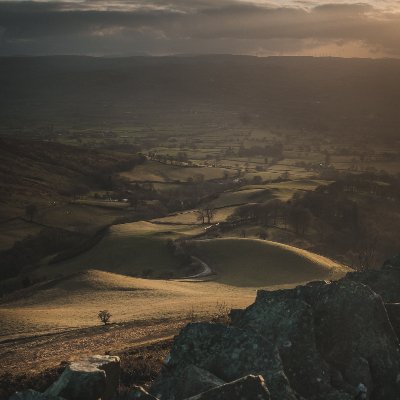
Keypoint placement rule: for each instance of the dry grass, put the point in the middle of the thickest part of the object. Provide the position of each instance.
(139, 366)
(74, 302)
(241, 266)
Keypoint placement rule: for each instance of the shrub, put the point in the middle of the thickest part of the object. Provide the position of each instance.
(104, 316)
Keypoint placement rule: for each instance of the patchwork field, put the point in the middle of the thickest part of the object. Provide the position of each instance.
(153, 171)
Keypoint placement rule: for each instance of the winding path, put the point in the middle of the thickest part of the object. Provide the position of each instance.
(205, 270)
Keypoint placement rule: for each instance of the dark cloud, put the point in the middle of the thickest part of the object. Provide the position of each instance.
(196, 26)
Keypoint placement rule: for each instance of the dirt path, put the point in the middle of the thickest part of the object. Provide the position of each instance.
(206, 270)
(35, 354)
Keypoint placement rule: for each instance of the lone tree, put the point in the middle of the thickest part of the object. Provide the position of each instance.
(31, 211)
(104, 316)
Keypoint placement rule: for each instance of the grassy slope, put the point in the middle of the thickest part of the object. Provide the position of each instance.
(128, 249)
(57, 305)
(251, 262)
(241, 266)
(39, 172)
(46, 174)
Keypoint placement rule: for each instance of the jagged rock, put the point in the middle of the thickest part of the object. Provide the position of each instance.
(288, 321)
(331, 337)
(197, 380)
(139, 393)
(393, 311)
(90, 379)
(385, 282)
(248, 388)
(33, 395)
(228, 353)
(80, 381)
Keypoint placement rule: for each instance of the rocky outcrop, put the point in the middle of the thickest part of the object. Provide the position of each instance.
(227, 352)
(88, 379)
(248, 388)
(196, 380)
(331, 337)
(385, 281)
(316, 342)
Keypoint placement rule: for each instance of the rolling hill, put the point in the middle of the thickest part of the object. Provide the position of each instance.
(105, 277)
(255, 263)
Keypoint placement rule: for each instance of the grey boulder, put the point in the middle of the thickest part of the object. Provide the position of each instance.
(93, 378)
(228, 353)
(331, 337)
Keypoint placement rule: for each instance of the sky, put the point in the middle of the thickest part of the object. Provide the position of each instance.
(163, 27)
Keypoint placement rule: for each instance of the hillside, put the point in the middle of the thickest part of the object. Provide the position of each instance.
(107, 276)
(133, 249)
(57, 305)
(252, 262)
(43, 172)
(140, 249)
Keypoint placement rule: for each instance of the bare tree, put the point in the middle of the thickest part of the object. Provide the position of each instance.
(210, 214)
(104, 316)
(205, 213)
(201, 215)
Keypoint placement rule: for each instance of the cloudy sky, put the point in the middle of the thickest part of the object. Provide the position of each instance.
(160, 27)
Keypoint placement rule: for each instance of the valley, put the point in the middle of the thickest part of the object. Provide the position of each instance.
(177, 211)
